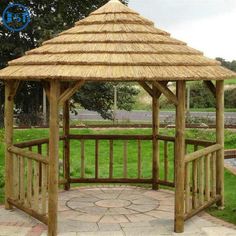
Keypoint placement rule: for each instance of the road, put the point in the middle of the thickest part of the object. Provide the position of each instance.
(146, 116)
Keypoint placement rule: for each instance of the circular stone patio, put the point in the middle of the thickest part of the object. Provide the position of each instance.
(113, 211)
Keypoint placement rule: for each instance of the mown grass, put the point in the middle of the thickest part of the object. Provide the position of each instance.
(227, 214)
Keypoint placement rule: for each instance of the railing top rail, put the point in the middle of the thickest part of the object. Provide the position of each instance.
(28, 154)
(204, 143)
(203, 152)
(111, 137)
(34, 142)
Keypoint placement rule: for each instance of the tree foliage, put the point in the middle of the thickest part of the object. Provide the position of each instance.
(48, 18)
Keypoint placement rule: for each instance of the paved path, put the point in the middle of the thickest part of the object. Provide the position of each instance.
(230, 117)
(114, 211)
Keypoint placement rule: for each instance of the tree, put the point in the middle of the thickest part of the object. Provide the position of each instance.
(99, 97)
(48, 18)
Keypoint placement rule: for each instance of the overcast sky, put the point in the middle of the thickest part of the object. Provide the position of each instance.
(207, 25)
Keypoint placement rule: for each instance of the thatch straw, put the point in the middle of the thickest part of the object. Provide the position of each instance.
(114, 43)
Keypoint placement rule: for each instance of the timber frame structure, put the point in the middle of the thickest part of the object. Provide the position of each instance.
(61, 65)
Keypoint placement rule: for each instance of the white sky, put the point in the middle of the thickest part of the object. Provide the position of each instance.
(206, 25)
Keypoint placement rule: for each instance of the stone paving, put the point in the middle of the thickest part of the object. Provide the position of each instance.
(114, 211)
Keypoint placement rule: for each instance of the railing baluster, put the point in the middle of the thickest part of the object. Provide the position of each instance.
(166, 161)
(207, 177)
(36, 185)
(201, 181)
(96, 159)
(139, 159)
(44, 188)
(194, 191)
(213, 175)
(187, 187)
(82, 158)
(22, 180)
(125, 159)
(29, 182)
(40, 166)
(16, 177)
(111, 160)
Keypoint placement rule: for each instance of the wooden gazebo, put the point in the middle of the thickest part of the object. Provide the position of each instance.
(114, 43)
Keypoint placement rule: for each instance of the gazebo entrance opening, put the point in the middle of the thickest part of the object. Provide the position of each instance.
(32, 167)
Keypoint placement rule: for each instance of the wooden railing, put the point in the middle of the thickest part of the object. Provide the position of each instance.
(29, 189)
(200, 180)
(111, 143)
(166, 147)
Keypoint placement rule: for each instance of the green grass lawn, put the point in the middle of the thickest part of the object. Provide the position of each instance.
(227, 214)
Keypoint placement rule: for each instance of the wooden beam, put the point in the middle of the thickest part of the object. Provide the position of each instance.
(211, 87)
(53, 157)
(70, 91)
(167, 92)
(179, 157)
(155, 143)
(220, 140)
(10, 90)
(147, 88)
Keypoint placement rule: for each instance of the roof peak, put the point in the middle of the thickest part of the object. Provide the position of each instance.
(117, 1)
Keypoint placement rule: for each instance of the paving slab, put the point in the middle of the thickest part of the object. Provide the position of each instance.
(109, 211)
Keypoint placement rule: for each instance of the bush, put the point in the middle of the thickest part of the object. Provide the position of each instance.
(201, 97)
(230, 98)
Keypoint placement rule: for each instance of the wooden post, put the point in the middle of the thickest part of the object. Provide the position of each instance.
(66, 150)
(220, 140)
(53, 157)
(155, 148)
(179, 157)
(9, 105)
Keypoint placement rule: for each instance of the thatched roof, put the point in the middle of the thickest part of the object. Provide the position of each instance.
(114, 43)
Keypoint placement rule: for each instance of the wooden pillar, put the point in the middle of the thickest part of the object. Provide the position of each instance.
(220, 140)
(53, 157)
(66, 150)
(155, 147)
(9, 105)
(179, 157)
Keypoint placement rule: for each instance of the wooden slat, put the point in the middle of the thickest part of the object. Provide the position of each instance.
(28, 154)
(147, 88)
(166, 164)
(16, 177)
(195, 184)
(40, 165)
(187, 187)
(125, 159)
(202, 152)
(111, 159)
(210, 86)
(44, 189)
(96, 159)
(109, 137)
(36, 186)
(119, 180)
(213, 175)
(82, 159)
(29, 211)
(22, 181)
(70, 91)
(29, 182)
(139, 159)
(207, 177)
(201, 180)
(167, 92)
(202, 207)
